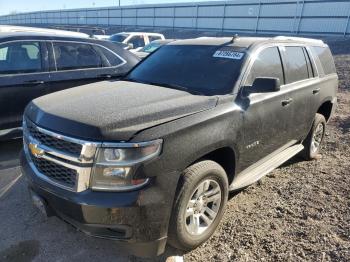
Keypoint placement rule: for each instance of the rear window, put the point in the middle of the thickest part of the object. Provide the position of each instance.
(325, 56)
(295, 64)
(71, 56)
(153, 38)
(110, 58)
(208, 70)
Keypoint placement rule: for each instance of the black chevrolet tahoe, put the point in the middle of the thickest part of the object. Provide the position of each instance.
(34, 64)
(151, 159)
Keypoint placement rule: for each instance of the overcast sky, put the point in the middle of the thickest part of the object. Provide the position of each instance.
(7, 6)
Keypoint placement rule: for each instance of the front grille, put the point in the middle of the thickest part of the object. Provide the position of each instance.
(53, 142)
(55, 172)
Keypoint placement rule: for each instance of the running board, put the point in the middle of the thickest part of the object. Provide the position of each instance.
(256, 172)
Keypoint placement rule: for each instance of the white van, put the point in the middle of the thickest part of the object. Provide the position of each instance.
(135, 41)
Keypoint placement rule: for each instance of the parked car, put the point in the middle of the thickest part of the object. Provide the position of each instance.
(151, 159)
(135, 40)
(35, 64)
(151, 47)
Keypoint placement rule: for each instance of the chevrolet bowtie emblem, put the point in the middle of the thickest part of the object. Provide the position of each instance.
(35, 150)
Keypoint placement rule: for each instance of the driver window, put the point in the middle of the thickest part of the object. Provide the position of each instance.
(266, 64)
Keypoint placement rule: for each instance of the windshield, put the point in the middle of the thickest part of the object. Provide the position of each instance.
(150, 47)
(118, 38)
(209, 70)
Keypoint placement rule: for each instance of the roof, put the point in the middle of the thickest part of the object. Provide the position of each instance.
(146, 33)
(11, 36)
(11, 29)
(245, 42)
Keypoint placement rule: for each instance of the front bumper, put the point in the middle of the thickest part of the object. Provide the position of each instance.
(137, 219)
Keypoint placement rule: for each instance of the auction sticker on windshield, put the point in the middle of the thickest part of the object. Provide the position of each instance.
(228, 54)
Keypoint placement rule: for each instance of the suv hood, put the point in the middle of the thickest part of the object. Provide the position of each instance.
(113, 111)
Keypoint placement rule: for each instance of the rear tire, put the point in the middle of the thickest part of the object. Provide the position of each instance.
(199, 205)
(314, 139)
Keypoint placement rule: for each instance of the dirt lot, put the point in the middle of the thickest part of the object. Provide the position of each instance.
(299, 212)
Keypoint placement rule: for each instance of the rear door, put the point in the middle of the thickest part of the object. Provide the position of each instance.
(301, 81)
(73, 64)
(264, 116)
(23, 77)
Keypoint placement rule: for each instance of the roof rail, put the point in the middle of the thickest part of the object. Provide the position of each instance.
(304, 39)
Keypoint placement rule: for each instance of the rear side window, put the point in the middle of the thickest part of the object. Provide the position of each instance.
(267, 64)
(295, 64)
(325, 56)
(20, 57)
(71, 56)
(153, 38)
(110, 58)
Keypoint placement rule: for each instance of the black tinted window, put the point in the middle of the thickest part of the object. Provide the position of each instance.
(267, 64)
(203, 69)
(75, 56)
(110, 59)
(295, 64)
(137, 41)
(118, 38)
(325, 56)
(20, 57)
(153, 37)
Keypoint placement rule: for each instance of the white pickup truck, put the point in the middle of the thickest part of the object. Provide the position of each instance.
(135, 41)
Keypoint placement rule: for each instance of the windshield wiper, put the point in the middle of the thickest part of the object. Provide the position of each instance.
(173, 86)
(178, 87)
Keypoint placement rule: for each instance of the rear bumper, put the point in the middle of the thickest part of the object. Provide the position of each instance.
(137, 219)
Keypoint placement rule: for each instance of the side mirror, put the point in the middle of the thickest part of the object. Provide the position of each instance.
(265, 85)
(131, 45)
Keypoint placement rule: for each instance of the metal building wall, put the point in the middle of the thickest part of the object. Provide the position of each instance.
(251, 16)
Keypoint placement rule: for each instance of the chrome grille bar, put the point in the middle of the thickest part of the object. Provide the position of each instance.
(82, 164)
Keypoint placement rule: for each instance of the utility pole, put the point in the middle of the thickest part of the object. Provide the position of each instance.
(119, 3)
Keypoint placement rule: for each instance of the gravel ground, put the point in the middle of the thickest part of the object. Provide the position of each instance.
(299, 212)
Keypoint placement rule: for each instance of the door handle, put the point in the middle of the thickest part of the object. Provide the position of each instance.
(287, 101)
(106, 76)
(316, 91)
(34, 82)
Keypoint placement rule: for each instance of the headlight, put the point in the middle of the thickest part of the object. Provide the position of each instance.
(115, 165)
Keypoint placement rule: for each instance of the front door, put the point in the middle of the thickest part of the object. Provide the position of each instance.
(23, 77)
(264, 115)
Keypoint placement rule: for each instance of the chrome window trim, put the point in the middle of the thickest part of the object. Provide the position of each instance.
(65, 41)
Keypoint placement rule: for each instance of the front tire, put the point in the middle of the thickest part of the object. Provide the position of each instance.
(199, 205)
(314, 139)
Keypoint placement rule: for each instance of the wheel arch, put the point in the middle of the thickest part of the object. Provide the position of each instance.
(325, 109)
(225, 156)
